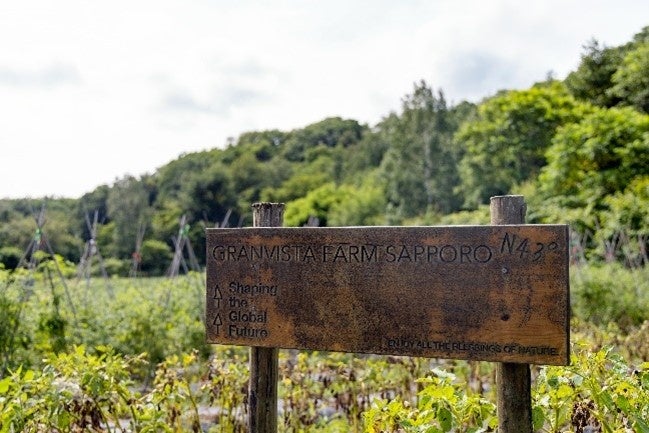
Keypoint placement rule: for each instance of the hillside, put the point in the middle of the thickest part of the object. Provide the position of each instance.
(578, 149)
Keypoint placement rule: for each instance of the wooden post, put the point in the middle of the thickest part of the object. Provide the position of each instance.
(262, 388)
(513, 381)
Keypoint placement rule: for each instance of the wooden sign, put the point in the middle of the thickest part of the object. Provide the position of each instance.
(493, 293)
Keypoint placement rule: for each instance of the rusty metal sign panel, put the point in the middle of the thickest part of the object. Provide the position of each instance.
(493, 293)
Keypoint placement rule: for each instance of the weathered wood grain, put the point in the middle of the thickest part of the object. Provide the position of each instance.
(494, 293)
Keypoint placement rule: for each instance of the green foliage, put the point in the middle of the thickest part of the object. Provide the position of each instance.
(156, 257)
(331, 132)
(314, 383)
(10, 256)
(341, 205)
(13, 337)
(614, 76)
(127, 205)
(19, 226)
(622, 230)
(420, 165)
(226, 387)
(54, 265)
(134, 359)
(297, 186)
(302, 179)
(79, 391)
(569, 147)
(90, 202)
(444, 405)
(599, 390)
(160, 319)
(209, 194)
(610, 293)
(41, 315)
(170, 178)
(593, 78)
(264, 145)
(315, 204)
(596, 157)
(50, 336)
(365, 156)
(631, 80)
(114, 267)
(362, 206)
(251, 175)
(629, 209)
(506, 143)
(480, 216)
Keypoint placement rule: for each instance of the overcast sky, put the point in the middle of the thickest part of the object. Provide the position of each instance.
(91, 91)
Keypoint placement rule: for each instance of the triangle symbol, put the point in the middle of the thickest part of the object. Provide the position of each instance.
(217, 293)
(217, 320)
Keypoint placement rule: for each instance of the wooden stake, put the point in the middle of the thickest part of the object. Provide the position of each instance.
(262, 389)
(513, 381)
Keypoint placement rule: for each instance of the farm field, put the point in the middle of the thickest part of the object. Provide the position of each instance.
(93, 338)
(121, 354)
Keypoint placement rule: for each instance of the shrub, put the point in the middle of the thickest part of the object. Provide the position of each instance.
(610, 293)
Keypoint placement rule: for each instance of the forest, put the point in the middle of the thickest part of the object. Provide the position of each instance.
(577, 149)
(86, 344)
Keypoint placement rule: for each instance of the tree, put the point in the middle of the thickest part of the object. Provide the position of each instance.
(361, 206)
(127, 205)
(208, 196)
(365, 156)
(317, 203)
(171, 178)
(627, 220)
(251, 175)
(10, 257)
(596, 157)
(156, 256)
(420, 165)
(263, 144)
(594, 76)
(505, 144)
(631, 80)
(318, 168)
(331, 132)
(96, 200)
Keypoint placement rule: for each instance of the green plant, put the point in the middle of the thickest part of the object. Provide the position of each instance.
(445, 404)
(73, 392)
(12, 335)
(226, 388)
(598, 390)
(610, 293)
(136, 360)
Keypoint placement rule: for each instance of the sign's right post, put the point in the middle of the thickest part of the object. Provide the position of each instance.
(513, 380)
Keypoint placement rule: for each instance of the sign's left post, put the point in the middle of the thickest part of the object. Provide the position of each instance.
(262, 388)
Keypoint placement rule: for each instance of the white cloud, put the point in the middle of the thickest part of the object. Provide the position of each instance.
(49, 76)
(91, 91)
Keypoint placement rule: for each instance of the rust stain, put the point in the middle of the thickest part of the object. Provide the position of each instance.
(495, 293)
